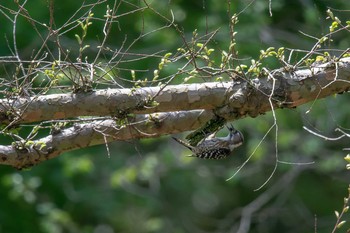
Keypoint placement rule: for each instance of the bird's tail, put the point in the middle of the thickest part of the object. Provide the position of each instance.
(183, 143)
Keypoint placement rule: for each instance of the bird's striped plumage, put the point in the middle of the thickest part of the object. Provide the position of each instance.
(215, 147)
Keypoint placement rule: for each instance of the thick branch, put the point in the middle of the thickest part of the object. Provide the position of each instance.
(100, 132)
(292, 89)
(116, 102)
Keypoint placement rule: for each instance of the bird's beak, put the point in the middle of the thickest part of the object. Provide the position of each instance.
(231, 128)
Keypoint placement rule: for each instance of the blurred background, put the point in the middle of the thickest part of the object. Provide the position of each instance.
(150, 185)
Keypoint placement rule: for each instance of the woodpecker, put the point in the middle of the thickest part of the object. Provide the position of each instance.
(215, 147)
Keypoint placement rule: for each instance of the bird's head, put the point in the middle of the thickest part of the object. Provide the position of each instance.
(235, 136)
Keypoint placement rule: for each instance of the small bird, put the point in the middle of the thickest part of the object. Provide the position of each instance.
(215, 147)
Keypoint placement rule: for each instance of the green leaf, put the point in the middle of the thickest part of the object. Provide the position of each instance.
(341, 224)
(347, 158)
(78, 38)
(336, 214)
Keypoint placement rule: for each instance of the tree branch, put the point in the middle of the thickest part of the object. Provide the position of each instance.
(24, 154)
(245, 97)
(228, 100)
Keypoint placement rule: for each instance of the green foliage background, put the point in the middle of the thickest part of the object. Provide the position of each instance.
(149, 185)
